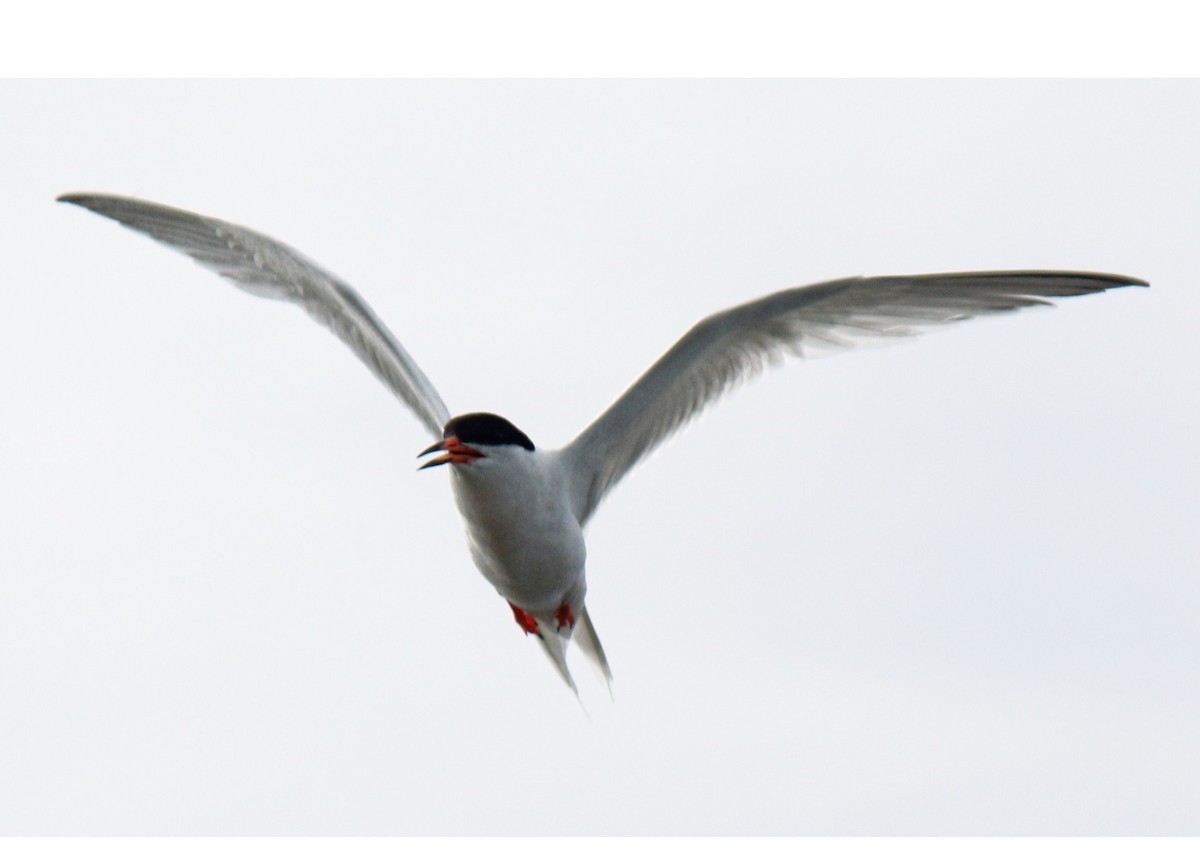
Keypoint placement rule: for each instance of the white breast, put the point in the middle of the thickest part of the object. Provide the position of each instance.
(520, 529)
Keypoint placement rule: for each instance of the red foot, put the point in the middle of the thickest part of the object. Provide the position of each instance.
(564, 616)
(528, 623)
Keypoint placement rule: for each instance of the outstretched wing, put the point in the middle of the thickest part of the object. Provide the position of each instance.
(270, 269)
(735, 345)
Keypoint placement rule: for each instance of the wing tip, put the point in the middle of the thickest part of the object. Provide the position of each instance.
(1109, 281)
(1047, 283)
(97, 202)
(1089, 281)
(109, 204)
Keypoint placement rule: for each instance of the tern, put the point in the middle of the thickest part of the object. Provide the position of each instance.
(524, 508)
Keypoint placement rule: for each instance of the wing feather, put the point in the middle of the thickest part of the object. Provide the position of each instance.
(268, 268)
(735, 345)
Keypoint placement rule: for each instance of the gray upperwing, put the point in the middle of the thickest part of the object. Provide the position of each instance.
(268, 268)
(735, 345)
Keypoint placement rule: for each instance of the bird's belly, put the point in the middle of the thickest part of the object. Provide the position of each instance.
(529, 548)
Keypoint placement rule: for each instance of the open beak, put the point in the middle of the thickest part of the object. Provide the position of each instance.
(455, 451)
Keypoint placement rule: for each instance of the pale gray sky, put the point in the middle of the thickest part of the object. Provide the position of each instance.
(945, 587)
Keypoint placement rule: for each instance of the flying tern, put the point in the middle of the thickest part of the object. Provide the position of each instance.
(524, 507)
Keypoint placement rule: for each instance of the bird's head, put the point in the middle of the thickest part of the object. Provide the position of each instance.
(468, 437)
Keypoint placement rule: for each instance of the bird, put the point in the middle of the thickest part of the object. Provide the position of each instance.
(525, 507)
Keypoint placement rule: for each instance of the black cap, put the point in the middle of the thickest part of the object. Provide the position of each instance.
(487, 430)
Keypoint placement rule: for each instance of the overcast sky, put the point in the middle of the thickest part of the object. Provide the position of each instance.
(945, 587)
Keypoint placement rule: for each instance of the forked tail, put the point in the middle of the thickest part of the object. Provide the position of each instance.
(554, 642)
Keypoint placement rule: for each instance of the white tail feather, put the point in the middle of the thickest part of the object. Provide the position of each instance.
(556, 649)
(589, 644)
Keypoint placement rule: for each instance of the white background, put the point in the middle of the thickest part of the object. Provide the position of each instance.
(945, 587)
